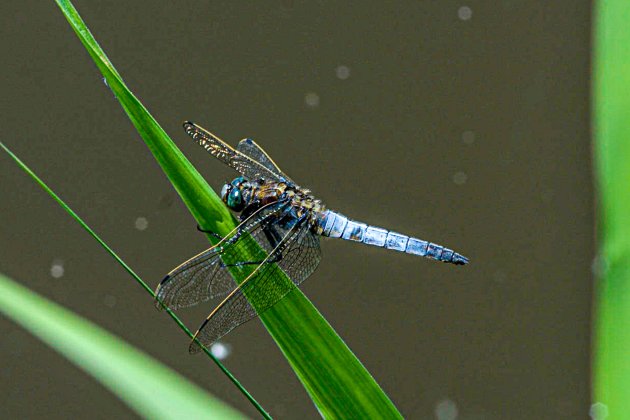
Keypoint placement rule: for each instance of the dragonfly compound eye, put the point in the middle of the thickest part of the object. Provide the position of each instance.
(235, 200)
(238, 181)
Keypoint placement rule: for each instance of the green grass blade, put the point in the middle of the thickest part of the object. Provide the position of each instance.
(133, 274)
(611, 94)
(144, 384)
(205, 205)
(335, 379)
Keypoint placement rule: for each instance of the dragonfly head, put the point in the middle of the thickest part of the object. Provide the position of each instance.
(232, 194)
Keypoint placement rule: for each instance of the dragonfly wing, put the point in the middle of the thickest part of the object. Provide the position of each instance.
(250, 148)
(300, 256)
(197, 280)
(205, 276)
(247, 166)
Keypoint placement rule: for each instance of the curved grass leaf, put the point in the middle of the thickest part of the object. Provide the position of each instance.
(335, 379)
(611, 112)
(151, 389)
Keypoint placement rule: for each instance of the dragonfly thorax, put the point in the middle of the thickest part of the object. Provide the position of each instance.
(244, 196)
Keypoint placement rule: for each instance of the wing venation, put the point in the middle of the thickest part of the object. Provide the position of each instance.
(300, 256)
(247, 166)
(250, 148)
(205, 276)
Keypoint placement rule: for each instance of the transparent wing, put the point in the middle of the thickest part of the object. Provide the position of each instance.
(250, 148)
(205, 275)
(300, 256)
(247, 166)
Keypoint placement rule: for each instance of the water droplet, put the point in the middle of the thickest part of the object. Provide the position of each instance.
(598, 411)
(56, 269)
(468, 137)
(446, 410)
(460, 178)
(109, 301)
(342, 72)
(142, 223)
(220, 350)
(464, 13)
(109, 87)
(311, 99)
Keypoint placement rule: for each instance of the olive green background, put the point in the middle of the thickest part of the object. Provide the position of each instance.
(498, 102)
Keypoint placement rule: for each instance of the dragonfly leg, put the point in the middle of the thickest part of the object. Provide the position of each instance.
(216, 235)
(273, 236)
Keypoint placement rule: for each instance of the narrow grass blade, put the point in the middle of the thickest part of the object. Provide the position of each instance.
(137, 278)
(335, 379)
(611, 112)
(151, 389)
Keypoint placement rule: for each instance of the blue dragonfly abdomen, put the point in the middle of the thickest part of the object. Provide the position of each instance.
(336, 225)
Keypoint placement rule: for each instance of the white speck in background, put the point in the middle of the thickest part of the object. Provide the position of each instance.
(142, 223)
(312, 99)
(464, 13)
(56, 269)
(220, 350)
(598, 411)
(342, 72)
(468, 137)
(446, 410)
(460, 178)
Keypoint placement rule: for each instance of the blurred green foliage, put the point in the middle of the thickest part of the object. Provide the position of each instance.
(611, 127)
(151, 389)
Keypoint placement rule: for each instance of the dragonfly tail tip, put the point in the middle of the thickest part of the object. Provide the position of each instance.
(459, 259)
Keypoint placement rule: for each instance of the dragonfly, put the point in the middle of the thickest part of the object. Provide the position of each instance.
(274, 248)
